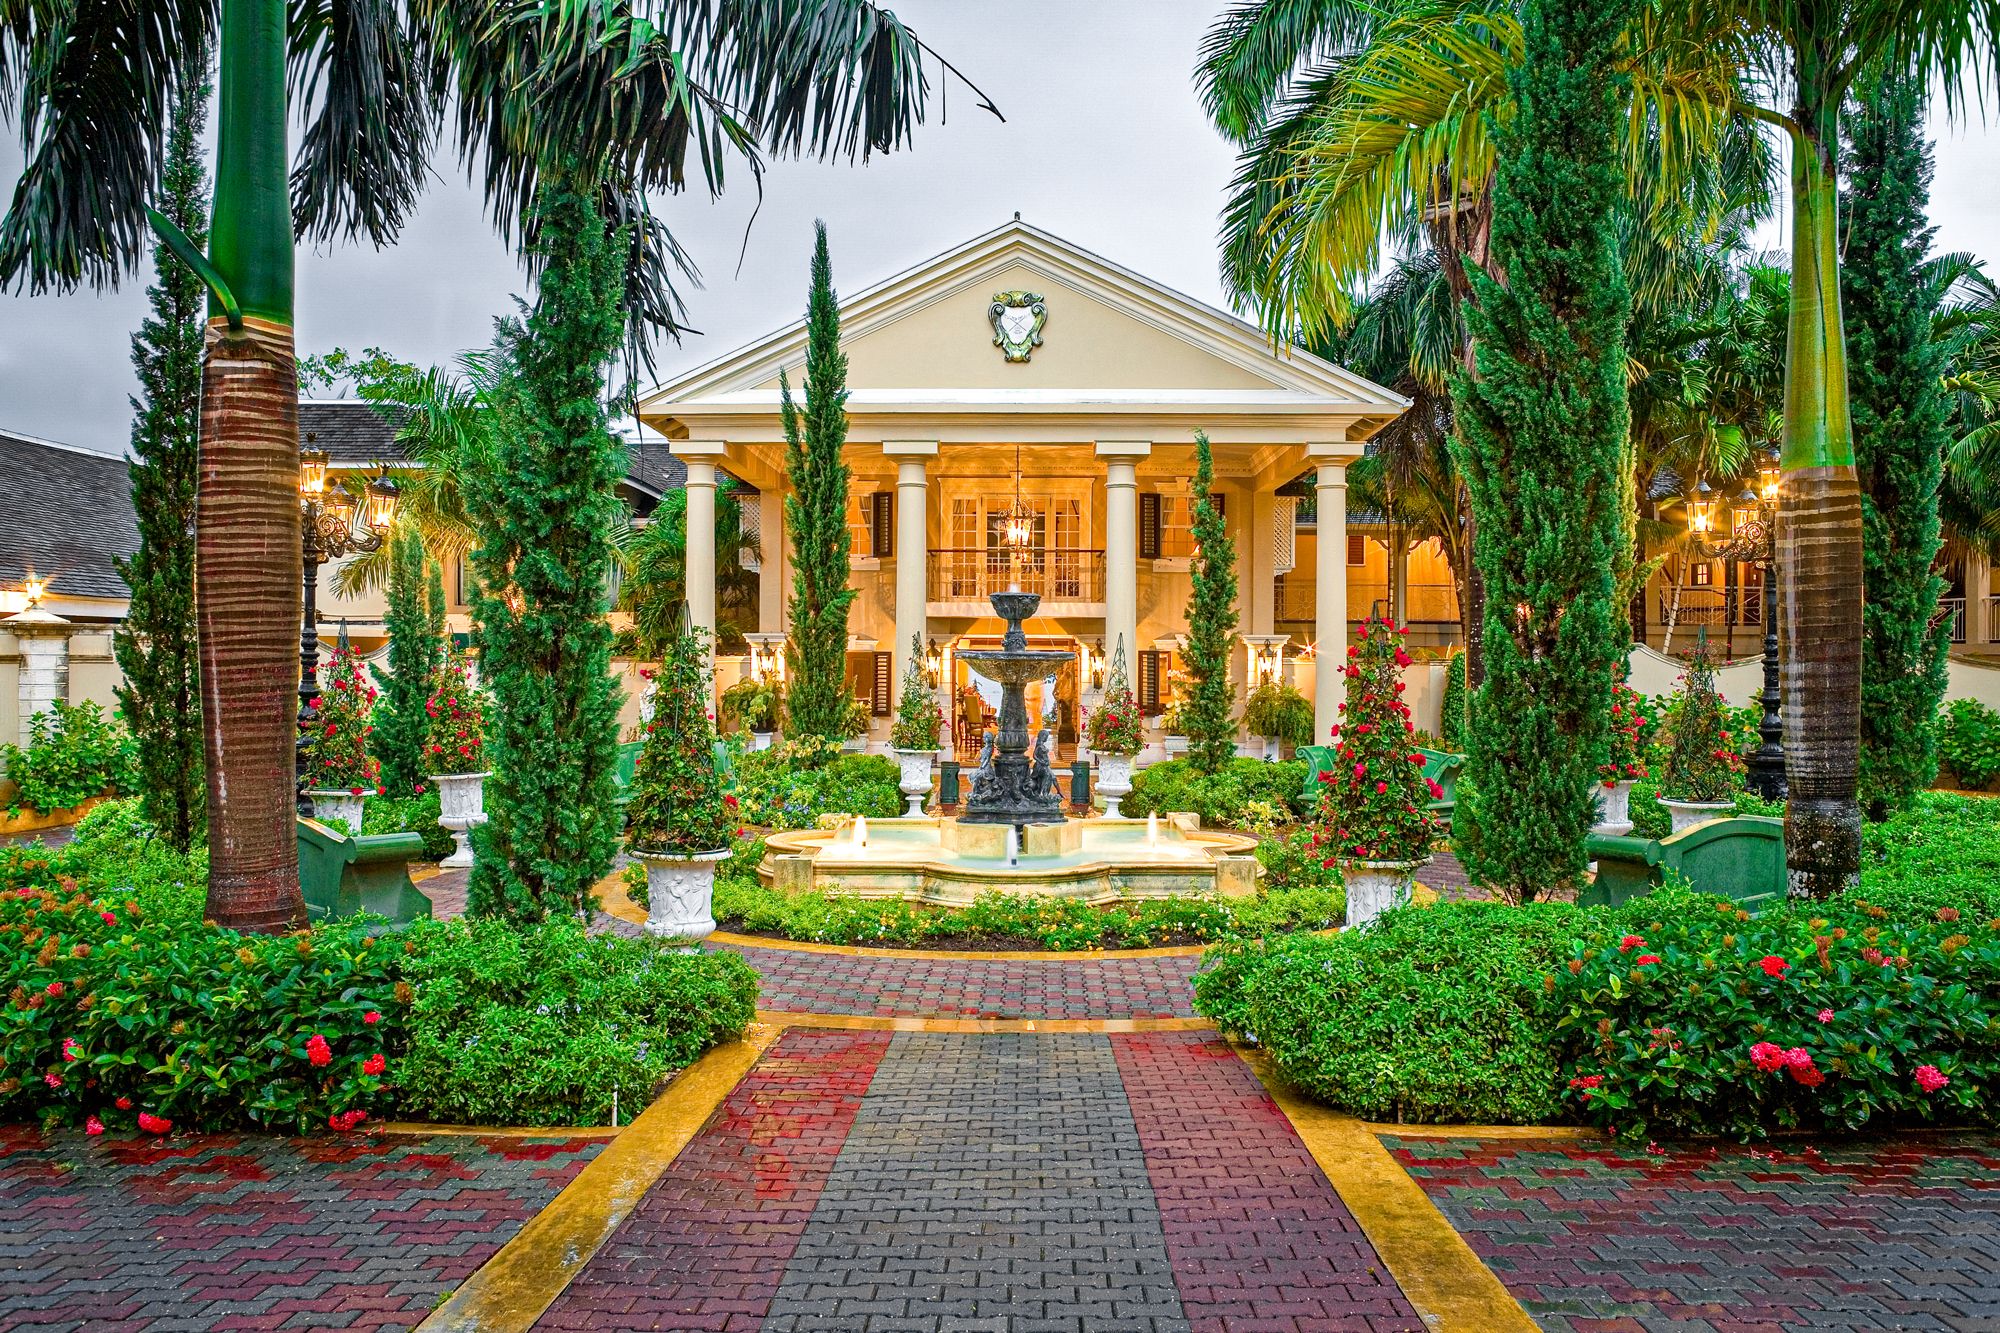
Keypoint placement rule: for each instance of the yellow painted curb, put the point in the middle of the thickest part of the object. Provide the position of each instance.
(1483, 1131)
(42, 821)
(1444, 1280)
(513, 1288)
(887, 1023)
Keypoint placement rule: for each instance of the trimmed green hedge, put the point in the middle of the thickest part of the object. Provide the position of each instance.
(1219, 798)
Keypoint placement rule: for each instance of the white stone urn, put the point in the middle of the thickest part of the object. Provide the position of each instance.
(761, 740)
(1373, 887)
(1114, 780)
(680, 891)
(1175, 746)
(461, 806)
(915, 767)
(329, 805)
(1614, 808)
(1687, 814)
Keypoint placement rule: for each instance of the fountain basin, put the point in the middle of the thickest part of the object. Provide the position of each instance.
(945, 862)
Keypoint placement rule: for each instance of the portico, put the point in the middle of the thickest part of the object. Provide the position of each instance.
(1092, 429)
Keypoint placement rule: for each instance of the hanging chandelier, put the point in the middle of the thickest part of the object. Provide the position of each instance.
(1018, 529)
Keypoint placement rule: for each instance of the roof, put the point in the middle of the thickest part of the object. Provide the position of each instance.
(1264, 382)
(79, 520)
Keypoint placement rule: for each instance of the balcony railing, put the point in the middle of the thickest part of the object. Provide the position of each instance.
(1714, 607)
(1423, 603)
(1954, 607)
(974, 573)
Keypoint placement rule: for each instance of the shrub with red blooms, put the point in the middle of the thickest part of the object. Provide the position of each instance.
(1829, 1015)
(339, 759)
(1702, 763)
(1114, 726)
(677, 807)
(1373, 801)
(455, 738)
(1631, 718)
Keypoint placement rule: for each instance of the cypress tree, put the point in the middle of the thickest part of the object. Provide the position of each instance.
(816, 515)
(416, 651)
(1211, 731)
(544, 511)
(155, 643)
(1900, 415)
(1542, 449)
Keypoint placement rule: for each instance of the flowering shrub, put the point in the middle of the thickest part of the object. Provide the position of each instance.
(1222, 798)
(1702, 763)
(74, 753)
(677, 807)
(919, 721)
(1372, 802)
(1114, 726)
(1279, 710)
(1292, 859)
(339, 760)
(1705, 1020)
(778, 789)
(1631, 716)
(1968, 736)
(455, 740)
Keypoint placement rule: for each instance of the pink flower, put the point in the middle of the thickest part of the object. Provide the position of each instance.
(1929, 1078)
(70, 1049)
(1825, 1015)
(93, 1126)
(53, 1079)
(1767, 1057)
(1773, 965)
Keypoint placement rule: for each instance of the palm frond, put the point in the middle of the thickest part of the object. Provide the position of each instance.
(1252, 56)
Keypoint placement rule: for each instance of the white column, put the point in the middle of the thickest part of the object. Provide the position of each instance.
(1260, 593)
(912, 545)
(1121, 547)
(700, 456)
(1330, 600)
(44, 670)
(773, 568)
(1978, 620)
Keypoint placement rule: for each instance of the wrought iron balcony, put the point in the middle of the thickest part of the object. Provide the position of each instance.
(974, 573)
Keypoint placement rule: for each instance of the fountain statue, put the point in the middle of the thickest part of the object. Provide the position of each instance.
(1009, 787)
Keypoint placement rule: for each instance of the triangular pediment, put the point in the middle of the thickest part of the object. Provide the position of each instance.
(1109, 335)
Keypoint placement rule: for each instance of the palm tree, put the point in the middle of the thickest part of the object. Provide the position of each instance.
(632, 94)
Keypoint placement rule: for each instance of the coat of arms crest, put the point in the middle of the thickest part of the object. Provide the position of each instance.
(1017, 319)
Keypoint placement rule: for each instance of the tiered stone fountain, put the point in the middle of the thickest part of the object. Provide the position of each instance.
(1013, 835)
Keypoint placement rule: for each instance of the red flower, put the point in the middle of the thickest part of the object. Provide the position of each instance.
(1929, 1078)
(123, 1103)
(1629, 943)
(1645, 960)
(93, 1126)
(372, 1017)
(70, 1049)
(1587, 1082)
(375, 1063)
(154, 1124)
(1767, 1057)
(318, 1051)
(53, 1079)
(55, 988)
(110, 918)
(1773, 965)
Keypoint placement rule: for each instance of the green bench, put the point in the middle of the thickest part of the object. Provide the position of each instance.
(1742, 858)
(1442, 765)
(344, 875)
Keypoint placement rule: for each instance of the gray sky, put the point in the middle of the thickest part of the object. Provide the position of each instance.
(1105, 144)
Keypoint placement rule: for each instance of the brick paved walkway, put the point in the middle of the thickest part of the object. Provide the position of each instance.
(819, 983)
(1863, 1237)
(1007, 1182)
(225, 1232)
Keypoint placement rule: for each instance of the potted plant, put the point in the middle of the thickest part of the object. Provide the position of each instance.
(1114, 731)
(678, 825)
(754, 704)
(1702, 772)
(854, 725)
(1373, 814)
(340, 772)
(1625, 762)
(1173, 721)
(916, 732)
(454, 752)
(1278, 715)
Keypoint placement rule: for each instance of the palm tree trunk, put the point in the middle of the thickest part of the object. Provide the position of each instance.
(248, 607)
(1819, 539)
(247, 551)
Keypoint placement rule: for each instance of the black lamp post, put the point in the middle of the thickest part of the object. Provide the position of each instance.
(328, 530)
(1753, 540)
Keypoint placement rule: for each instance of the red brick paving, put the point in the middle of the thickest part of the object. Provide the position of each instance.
(1260, 1241)
(1155, 987)
(1598, 1239)
(238, 1232)
(707, 1247)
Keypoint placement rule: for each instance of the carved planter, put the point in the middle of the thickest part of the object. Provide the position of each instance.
(1114, 780)
(1175, 746)
(329, 805)
(1614, 809)
(761, 740)
(915, 768)
(461, 806)
(680, 891)
(1373, 887)
(1687, 814)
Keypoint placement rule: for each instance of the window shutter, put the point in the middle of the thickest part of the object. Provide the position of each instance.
(1221, 503)
(1149, 680)
(884, 684)
(1357, 549)
(882, 518)
(1149, 526)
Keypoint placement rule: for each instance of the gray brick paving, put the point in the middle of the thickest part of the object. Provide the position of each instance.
(989, 1182)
